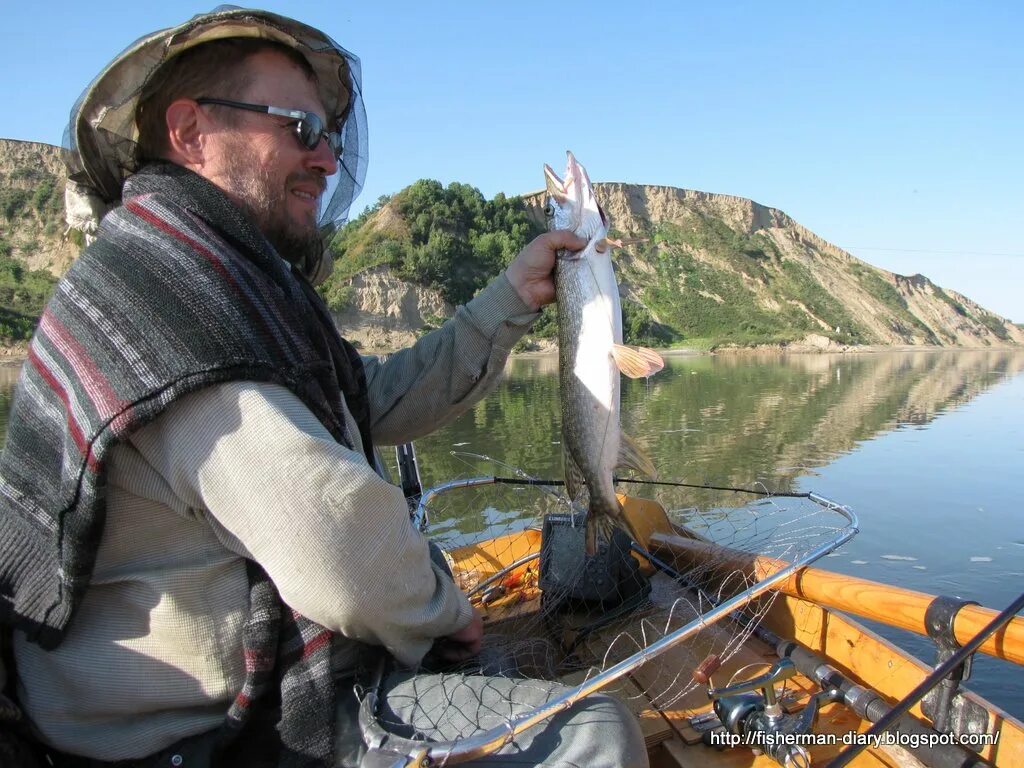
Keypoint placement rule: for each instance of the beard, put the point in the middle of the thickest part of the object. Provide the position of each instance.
(264, 200)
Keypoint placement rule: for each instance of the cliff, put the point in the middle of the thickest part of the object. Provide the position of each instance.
(714, 249)
(708, 270)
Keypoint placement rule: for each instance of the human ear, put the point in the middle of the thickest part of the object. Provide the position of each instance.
(185, 128)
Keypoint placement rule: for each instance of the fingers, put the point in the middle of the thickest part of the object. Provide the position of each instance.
(472, 634)
(530, 272)
(463, 644)
(563, 239)
(456, 652)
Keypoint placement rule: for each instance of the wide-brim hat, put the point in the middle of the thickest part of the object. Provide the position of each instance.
(101, 136)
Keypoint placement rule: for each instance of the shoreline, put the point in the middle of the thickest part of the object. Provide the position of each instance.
(15, 356)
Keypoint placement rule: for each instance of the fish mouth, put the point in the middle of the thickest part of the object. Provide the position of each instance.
(574, 194)
(576, 176)
(555, 186)
(574, 172)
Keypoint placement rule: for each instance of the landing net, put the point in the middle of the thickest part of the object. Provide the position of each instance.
(631, 622)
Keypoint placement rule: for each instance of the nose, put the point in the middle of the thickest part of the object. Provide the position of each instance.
(322, 159)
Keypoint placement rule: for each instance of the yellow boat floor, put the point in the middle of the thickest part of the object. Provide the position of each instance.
(671, 741)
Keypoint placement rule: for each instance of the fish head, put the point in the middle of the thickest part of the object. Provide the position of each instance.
(560, 210)
(571, 203)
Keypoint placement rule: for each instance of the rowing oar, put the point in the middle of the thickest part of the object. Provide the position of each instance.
(938, 675)
(897, 607)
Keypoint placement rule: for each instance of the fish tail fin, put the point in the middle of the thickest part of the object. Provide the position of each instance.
(602, 522)
(600, 525)
(632, 456)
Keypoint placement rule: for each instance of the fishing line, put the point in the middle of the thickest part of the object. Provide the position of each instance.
(671, 483)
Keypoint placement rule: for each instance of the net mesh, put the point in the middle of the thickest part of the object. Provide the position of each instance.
(554, 621)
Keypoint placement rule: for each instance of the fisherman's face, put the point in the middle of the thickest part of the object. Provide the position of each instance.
(261, 165)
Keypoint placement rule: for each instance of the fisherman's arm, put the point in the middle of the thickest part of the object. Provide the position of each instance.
(419, 389)
(333, 536)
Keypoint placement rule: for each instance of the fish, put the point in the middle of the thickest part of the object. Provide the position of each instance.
(591, 357)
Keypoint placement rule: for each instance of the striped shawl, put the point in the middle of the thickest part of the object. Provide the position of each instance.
(179, 291)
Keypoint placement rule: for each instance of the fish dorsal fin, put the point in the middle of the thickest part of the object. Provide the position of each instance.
(637, 362)
(632, 456)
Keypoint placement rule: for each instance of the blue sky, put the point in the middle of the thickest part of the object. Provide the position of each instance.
(892, 130)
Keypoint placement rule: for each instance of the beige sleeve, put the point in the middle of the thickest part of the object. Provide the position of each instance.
(417, 390)
(333, 536)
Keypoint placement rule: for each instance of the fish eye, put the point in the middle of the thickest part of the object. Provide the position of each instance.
(549, 210)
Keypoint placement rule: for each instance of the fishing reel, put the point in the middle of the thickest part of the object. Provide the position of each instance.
(750, 714)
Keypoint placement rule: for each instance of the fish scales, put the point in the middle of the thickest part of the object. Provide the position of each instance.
(589, 395)
(590, 348)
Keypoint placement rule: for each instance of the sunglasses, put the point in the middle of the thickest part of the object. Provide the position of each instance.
(309, 128)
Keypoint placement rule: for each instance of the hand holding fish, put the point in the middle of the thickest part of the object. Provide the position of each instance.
(532, 271)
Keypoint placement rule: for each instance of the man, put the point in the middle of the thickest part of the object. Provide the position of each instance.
(197, 555)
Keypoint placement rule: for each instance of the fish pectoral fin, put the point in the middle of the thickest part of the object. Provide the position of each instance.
(637, 362)
(624, 242)
(632, 456)
(605, 243)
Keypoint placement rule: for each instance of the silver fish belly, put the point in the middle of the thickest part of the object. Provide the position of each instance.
(592, 356)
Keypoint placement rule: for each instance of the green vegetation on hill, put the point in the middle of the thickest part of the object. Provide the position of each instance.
(23, 294)
(31, 208)
(993, 324)
(712, 300)
(696, 281)
(31, 191)
(449, 238)
(902, 320)
(959, 308)
(708, 287)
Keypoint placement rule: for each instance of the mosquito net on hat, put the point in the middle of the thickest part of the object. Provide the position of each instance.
(102, 137)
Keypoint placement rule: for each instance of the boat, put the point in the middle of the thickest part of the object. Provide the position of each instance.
(728, 653)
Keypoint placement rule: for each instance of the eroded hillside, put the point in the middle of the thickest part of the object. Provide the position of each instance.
(708, 271)
(729, 269)
(32, 206)
(33, 249)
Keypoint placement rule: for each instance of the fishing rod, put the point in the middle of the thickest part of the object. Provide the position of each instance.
(937, 676)
(670, 483)
(836, 687)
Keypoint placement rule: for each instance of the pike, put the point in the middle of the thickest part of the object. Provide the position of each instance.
(591, 356)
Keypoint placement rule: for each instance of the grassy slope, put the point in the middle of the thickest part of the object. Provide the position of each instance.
(30, 199)
(696, 283)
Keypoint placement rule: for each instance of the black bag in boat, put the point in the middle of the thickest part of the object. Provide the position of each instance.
(606, 579)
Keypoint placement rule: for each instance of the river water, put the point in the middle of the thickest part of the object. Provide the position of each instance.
(926, 447)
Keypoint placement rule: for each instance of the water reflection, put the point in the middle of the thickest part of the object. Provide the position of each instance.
(925, 446)
(715, 420)
(726, 420)
(8, 378)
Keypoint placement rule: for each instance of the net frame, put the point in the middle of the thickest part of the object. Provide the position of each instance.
(377, 736)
